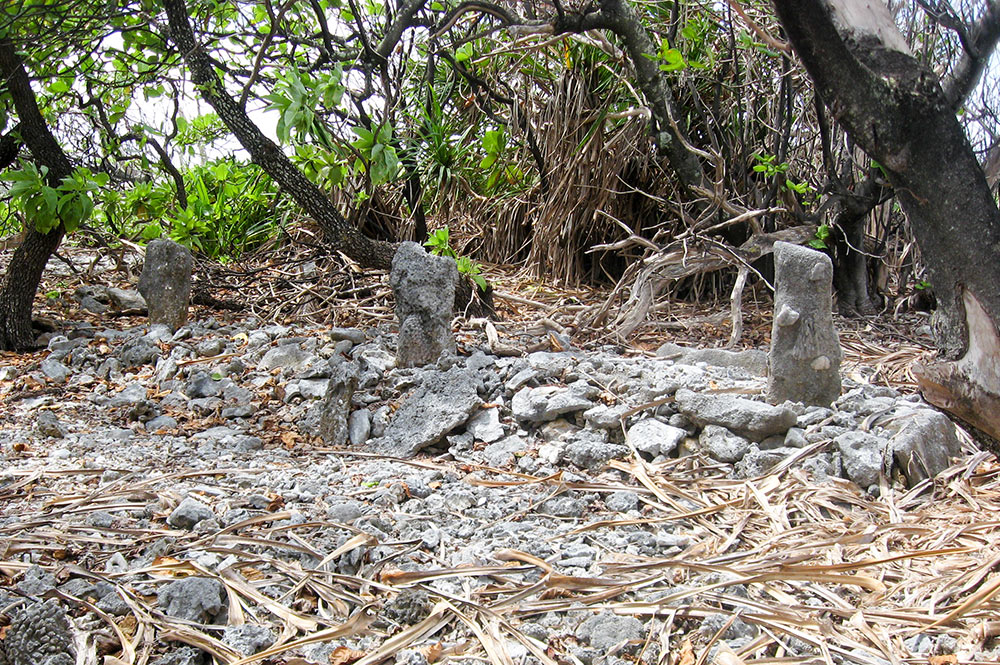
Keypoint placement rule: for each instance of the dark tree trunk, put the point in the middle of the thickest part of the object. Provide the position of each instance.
(338, 231)
(850, 275)
(895, 109)
(19, 284)
(10, 145)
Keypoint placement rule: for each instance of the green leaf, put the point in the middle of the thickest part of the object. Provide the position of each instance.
(365, 138)
(151, 231)
(464, 52)
(672, 59)
(59, 86)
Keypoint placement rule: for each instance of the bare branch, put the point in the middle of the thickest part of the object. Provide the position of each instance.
(984, 36)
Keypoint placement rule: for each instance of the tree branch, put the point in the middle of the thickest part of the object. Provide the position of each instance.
(265, 153)
(984, 36)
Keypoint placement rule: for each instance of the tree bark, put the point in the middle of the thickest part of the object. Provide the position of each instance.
(265, 153)
(850, 275)
(24, 273)
(895, 109)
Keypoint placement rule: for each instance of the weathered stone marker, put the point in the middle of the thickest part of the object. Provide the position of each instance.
(805, 352)
(424, 286)
(165, 283)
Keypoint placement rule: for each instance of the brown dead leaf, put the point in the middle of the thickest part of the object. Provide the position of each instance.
(686, 656)
(389, 574)
(432, 652)
(21, 447)
(290, 439)
(343, 655)
(945, 659)
(128, 624)
(252, 573)
(31, 383)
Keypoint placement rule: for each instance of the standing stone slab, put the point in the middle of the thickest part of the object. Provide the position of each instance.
(424, 287)
(805, 352)
(165, 283)
(334, 423)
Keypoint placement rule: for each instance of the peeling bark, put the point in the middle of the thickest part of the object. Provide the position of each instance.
(970, 386)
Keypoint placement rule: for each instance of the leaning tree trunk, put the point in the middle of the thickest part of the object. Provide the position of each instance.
(24, 273)
(850, 276)
(895, 109)
(263, 151)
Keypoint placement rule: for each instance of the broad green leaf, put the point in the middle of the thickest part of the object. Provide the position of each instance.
(464, 52)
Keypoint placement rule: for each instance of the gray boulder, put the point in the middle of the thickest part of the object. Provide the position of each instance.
(485, 426)
(182, 656)
(722, 445)
(54, 370)
(538, 405)
(36, 581)
(424, 288)
(862, 456)
(188, 513)
(137, 352)
(503, 452)
(654, 437)
(923, 443)
(127, 301)
(757, 462)
(359, 427)
(165, 282)
(607, 630)
(805, 351)
(754, 420)
(288, 357)
(590, 449)
(603, 416)
(248, 638)
(752, 361)
(444, 401)
(198, 599)
(48, 424)
(354, 335)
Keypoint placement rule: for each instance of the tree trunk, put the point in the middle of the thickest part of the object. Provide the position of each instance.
(24, 273)
(894, 108)
(850, 276)
(338, 231)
